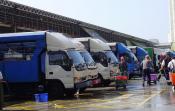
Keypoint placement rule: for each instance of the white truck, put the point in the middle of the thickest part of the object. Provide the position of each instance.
(92, 72)
(106, 61)
(44, 59)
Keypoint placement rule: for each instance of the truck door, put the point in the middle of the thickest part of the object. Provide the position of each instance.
(59, 67)
(102, 64)
(129, 61)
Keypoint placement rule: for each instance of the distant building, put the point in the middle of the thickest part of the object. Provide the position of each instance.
(163, 45)
(156, 41)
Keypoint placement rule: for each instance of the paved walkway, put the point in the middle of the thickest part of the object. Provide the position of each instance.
(158, 97)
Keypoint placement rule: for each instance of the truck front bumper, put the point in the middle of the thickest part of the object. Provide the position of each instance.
(96, 81)
(84, 84)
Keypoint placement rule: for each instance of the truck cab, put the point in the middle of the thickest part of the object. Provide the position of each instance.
(139, 52)
(48, 59)
(92, 72)
(107, 63)
(119, 50)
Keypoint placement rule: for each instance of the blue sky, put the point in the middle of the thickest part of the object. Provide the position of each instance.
(146, 19)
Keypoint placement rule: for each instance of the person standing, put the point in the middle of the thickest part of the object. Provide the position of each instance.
(123, 66)
(160, 60)
(164, 67)
(171, 65)
(147, 67)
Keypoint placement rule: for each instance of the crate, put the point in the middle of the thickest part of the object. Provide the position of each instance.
(42, 97)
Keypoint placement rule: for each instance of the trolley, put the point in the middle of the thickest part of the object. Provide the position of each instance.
(121, 80)
(153, 79)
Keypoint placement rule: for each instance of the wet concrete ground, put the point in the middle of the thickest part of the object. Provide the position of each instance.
(158, 97)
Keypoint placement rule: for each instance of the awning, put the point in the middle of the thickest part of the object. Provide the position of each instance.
(128, 43)
(138, 44)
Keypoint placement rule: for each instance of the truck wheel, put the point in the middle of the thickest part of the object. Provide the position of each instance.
(56, 90)
(70, 93)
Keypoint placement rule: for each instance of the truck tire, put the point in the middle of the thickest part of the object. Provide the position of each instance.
(56, 90)
(70, 92)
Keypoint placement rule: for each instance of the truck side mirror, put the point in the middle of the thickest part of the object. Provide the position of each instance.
(71, 62)
(109, 60)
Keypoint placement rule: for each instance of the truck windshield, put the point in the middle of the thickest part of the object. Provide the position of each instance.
(76, 57)
(111, 55)
(87, 57)
(134, 57)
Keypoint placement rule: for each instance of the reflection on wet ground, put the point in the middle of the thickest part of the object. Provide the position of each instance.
(136, 98)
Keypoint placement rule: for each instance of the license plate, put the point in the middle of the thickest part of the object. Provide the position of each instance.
(96, 81)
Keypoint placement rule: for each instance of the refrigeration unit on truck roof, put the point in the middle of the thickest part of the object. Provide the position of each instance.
(93, 45)
(98, 45)
(78, 45)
